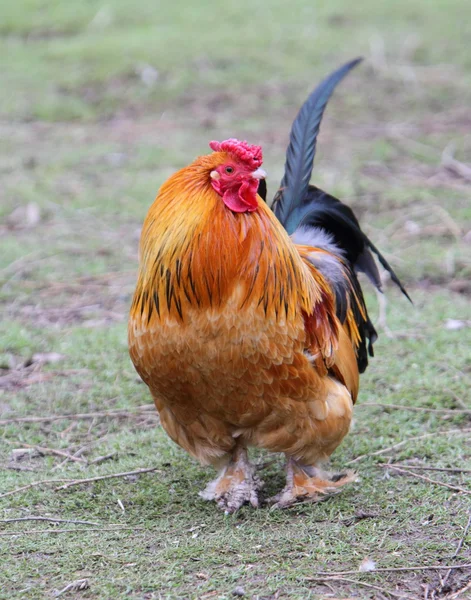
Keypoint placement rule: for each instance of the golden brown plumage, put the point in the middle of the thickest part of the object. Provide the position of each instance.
(235, 332)
(247, 336)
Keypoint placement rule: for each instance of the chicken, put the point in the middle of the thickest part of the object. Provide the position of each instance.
(250, 329)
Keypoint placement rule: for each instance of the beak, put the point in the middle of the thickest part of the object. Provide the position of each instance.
(259, 174)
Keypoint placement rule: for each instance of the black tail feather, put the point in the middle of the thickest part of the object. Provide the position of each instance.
(315, 218)
(387, 266)
(336, 218)
(302, 148)
(368, 334)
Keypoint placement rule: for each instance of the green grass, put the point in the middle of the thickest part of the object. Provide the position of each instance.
(99, 105)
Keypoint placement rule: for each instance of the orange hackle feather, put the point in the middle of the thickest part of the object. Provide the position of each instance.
(194, 252)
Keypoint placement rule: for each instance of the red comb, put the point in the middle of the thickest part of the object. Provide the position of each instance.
(251, 155)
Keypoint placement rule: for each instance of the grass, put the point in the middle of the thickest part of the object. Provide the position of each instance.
(99, 105)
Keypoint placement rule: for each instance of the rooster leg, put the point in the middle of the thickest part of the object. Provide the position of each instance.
(236, 484)
(309, 484)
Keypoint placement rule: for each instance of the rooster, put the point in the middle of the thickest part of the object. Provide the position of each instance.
(249, 326)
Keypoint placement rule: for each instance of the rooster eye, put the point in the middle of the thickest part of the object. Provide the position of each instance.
(229, 170)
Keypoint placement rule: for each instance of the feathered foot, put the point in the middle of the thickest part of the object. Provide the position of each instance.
(236, 484)
(309, 484)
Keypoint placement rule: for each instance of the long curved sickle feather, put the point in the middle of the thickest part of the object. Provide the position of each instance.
(388, 268)
(302, 146)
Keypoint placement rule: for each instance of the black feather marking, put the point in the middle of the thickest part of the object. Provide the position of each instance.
(169, 288)
(190, 279)
(173, 252)
(291, 272)
(178, 270)
(264, 296)
(289, 281)
(143, 301)
(157, 302)
(267, 279)
(151, 308)
(282, 293)
(157, 258)
(265, 304)
(286, 308)
(302, 147)
(262, 189)
(208, 289)
(275, 287)
(187, 294)
(252, 284)
(178, 305)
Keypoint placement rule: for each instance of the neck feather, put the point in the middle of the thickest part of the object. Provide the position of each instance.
(195, 252)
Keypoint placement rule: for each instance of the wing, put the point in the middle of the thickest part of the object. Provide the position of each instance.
(323, 325)
(349, 303)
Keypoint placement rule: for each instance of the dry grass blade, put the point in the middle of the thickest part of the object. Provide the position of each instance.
(75, 530)
(447, 411)
(43, 450)
(73, 482)
(427, 468)
(406, 441)
(398, 569)
(100, 459)
(124, 414)
(356, 582)
(32, 485)
(102, 477)
(51, 519)
(428, 480)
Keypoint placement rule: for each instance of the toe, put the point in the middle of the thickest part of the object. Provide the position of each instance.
(245, 492)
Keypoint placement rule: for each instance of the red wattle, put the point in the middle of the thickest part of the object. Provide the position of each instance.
(242, 199)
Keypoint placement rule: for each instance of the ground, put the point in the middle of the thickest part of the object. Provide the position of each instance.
(100, 103)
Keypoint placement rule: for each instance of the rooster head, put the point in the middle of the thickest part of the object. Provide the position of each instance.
(237, 174)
